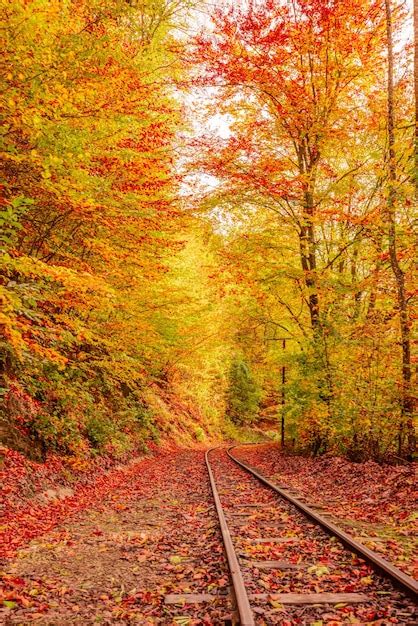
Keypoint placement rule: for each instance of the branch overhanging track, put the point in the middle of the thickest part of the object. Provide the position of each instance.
(402, 581)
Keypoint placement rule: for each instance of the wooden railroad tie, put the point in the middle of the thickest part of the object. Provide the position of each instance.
(190, 598)
(272, 524)
(282, 598)
(255, 505)
(274, 565)
(275, 540)
(375, 539)
(312, 598)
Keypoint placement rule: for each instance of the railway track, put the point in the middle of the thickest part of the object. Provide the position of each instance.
(290, 565)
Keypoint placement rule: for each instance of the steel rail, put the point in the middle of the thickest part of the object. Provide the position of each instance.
(243, 603)
(402, 580)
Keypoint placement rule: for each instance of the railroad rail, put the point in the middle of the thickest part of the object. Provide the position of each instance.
(245, 599)
(240, 593)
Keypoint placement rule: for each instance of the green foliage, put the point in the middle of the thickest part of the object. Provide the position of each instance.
(99, 431)
(245, 434)
(10, 219)
(243, 394)
(199, 434)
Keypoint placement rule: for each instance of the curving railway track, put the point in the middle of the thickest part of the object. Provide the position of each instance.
(290, 565)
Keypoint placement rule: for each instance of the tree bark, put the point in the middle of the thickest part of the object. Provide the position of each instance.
(308, 260)
(307, 233)
(307, 160)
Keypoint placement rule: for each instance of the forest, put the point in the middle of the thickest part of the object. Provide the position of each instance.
(207, 225)
(207, 367)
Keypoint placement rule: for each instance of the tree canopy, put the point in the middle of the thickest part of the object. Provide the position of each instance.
(153, 266)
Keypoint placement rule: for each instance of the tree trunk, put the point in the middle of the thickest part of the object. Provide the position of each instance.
(308, 260)
(406, 400)
(307, 161)
(283, 396)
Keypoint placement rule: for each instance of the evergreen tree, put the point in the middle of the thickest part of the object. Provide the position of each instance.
(243, 394)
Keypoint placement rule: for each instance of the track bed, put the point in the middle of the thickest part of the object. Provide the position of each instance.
(293, 571)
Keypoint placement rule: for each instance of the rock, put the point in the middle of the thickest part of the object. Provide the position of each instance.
(57, 494)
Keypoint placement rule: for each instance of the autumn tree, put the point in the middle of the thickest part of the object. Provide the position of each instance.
(390, 216)
(91, 218)
(301, 85)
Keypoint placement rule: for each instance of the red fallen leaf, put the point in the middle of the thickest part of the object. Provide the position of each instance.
(371, 615)
(388, 491)
(97, 532)
(16, 580)
(22, 523)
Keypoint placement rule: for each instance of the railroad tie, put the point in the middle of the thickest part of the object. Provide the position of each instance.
(190, 598)
(312, 598)
(274, 565)
(257, 505)
(375, 539)
(275, 540)
(240, 513)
